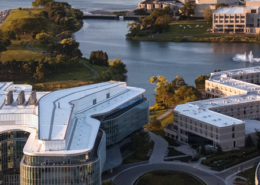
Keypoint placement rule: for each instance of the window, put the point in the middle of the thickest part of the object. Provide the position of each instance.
(211, 135)
(211, 128)
(190, 121)
(108, 95)
(191, 127)
(206, 133)
(253, 11)
(196, 129)
(205, 126)
(200, 124)
(216, 136)
(233, 135)
(216, 130)
(233, 129)
(201, 131)
(94, 101)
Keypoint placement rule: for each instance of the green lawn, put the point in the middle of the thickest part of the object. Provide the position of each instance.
(167, 177)
(249, 175)
(82, 74)
(20, 55)
(15, 14)
(179, 31)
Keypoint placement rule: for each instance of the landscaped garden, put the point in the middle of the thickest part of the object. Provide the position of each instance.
(223, 160)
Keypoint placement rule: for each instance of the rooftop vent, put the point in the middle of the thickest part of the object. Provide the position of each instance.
(33, 98)
(9, 98)
(21, 98)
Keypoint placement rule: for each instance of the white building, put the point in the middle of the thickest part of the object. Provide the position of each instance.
(61, 137)
(220, 121)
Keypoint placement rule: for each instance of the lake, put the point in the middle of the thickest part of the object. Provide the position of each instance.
(146, 59)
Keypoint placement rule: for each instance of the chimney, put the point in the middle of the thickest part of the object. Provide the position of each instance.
(21, 98)
(9, 98)
(33, 98)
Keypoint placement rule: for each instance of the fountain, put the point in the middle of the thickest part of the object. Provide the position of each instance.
(245, 58)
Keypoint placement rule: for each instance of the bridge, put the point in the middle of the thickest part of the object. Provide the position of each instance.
(111, 17)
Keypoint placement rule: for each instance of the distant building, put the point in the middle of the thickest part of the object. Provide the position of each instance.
(236, 20)
(225, 120)
(68, 136)
(149, 5)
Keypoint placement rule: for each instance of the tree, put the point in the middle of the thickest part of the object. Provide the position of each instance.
(220, 5)
(2, 47)
(40, 3)
(202, 149)
(117, 69)
(249, 142)
(155, 122)
(219, 149)
(186, 94)
(134, 29)
(99, 58)
(44, 38)
(69, 47)
(140, 11)
(207, 14)
(187, 10)
(162, 22)
(178, 82)
(141, 144)
(165, 91)
(40, 73)
(108, 183)
(200, 81)
(257, 132)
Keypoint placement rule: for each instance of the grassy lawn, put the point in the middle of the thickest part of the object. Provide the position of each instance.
(179, 31)
(249, 175)
(167, 177)
(157, 112)
(20, 55)
(82, 74)
(15, 14)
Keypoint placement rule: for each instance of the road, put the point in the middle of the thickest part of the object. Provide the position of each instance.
(129, 176)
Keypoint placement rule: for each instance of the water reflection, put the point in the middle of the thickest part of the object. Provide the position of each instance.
(146, 59)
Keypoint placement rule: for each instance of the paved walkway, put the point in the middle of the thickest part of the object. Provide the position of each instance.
(169, 110)
(159, 150)
(186, 150)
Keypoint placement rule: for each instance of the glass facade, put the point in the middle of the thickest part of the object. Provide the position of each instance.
(70, 170)
(125, 120)
(11, 153)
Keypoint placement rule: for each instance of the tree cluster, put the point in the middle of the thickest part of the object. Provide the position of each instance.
(157, 21)
(99, 58)
(200, 81)
(207, 14)
(187, 11)
(141, 144)
(116, 71)
(3, 45)
(175, 92)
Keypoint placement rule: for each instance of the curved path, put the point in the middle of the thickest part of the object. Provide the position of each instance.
(129, 176)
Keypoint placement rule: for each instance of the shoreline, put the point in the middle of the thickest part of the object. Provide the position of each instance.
(217, 39)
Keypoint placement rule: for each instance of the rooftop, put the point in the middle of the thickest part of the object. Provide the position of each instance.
(202, 110)
(230, 10)
(61, 122)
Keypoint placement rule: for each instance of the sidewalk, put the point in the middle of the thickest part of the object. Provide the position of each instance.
(160, 147)
(169, 110)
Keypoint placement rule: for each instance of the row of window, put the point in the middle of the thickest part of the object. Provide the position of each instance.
(232, 17)
(229, 21)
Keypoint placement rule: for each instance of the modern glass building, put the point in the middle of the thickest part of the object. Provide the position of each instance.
(61, 137)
